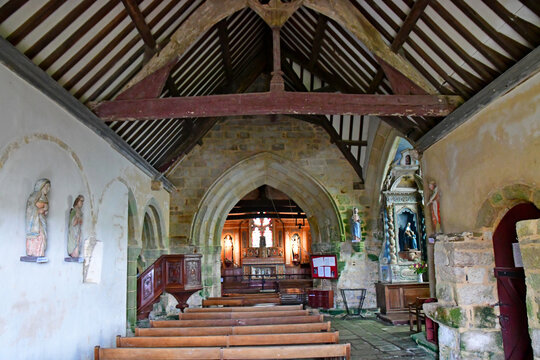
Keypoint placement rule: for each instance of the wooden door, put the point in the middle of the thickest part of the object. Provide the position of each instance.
(511, 286)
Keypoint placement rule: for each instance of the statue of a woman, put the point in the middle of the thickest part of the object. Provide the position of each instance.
(75, 228)
(37, 209)
(355, 226)
(410, 238)
(434, 201)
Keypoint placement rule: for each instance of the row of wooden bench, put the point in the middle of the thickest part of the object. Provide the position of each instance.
(203, 335)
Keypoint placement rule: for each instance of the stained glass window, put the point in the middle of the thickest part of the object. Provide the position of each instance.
(261, 227)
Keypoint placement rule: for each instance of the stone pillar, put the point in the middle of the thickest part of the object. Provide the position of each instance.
(133, 253)
(529, 243)
(466, 292)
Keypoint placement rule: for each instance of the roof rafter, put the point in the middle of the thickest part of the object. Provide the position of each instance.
(402, 35)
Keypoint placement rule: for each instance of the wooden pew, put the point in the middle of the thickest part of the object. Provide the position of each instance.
(245, 308)
(237, 301)
(249, 295)
(234, 330)
(229, 340)
(238, 322)
(240, 315)
(245, 352)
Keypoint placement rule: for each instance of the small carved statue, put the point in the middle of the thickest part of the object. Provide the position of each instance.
(355, 226)
(434, 203)
(75, 228)
(37, 209)
(410, 238)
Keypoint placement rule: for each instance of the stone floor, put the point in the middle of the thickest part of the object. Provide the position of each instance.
(373, 339)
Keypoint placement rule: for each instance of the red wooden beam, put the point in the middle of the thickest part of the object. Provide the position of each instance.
(277, 103)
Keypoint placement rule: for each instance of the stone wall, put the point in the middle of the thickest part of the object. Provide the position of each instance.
(466, 292)
(293, 156)
(529, 242)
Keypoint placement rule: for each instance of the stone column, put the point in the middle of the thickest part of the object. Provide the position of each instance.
(529, 243)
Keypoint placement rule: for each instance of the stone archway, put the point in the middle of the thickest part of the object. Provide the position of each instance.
(247, 175)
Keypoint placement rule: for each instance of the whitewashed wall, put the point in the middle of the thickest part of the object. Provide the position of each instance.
(48, 311)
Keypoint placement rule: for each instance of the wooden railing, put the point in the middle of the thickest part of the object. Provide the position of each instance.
(179, 275)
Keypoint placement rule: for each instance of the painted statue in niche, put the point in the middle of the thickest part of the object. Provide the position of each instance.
(434, 203)
(408, 233)
(75, 228)
(37, 209)
(355, 226)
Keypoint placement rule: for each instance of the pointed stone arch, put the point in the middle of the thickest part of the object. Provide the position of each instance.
(247, 175)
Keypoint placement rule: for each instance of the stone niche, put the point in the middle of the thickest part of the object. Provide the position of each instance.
(403, 219)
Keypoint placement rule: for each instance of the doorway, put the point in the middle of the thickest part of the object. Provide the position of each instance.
(511, 283)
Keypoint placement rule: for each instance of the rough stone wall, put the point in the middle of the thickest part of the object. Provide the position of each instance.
(466, 292)
(529, 243)
(233, 140)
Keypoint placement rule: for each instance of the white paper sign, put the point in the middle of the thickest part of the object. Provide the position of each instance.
(327, 272)
(318, 261)
(329, 261)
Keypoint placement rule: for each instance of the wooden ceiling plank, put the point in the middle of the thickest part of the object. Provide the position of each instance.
(114, 76)
(140, 24)
(524, 28)
(461, 89)
(498, 60)
(9, 8)
(277, 103)
(533, 5)
(58, 28)
(472, 80)
(521, 71)
(107, 49)
(33, 21)
(78, 34)
(514, 48)
(199, 22)
(485, 72)
(317, 40)
(351, 18)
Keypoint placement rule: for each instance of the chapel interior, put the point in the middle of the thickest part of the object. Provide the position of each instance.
(359, 159)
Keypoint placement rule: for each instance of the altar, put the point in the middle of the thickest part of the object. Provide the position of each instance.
(263, 262)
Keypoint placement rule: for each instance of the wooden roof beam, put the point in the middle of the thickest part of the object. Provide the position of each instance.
(277, 103)
(345, 13)
(402, 35)
(140, 24)
(225, 49)
(317, 40)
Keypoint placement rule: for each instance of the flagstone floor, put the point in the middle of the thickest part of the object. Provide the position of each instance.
(372, 339)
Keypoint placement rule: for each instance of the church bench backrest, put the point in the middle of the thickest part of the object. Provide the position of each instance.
(240, 315)
(234, 330)
(241, 301)
(238, 322)
(246, 308)
(229, 340)
(239, 353)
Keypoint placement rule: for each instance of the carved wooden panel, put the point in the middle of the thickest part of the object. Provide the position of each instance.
(158, 276)
(174, 272)
(193, 272)
(147, 286)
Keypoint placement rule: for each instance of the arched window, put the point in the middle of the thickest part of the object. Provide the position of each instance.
(262, 229)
